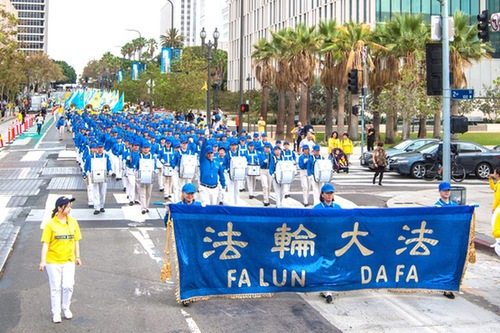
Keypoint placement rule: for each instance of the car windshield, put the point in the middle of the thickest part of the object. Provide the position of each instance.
(402, 145)
(428, 148)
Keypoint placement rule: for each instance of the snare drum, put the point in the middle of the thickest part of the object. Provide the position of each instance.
(285, 172)
(168, 171)
(323, 171)
(253, 170)
(146, 170)
(188, 165)
(98, 170)
(237, 168)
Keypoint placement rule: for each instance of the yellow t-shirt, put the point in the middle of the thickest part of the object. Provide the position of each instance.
(261, 125)
(333, 143)
(496, 189)
(347, 146)
(61, 238)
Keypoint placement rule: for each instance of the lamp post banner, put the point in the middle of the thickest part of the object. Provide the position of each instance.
(165, 59)
(239, 251)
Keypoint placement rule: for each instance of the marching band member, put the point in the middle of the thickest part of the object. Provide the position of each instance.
(116, 162)
(168, 160)
(131, 158)
(253, 163)
(146, 167)
(316, 186)
(98, 167)
(188, 191)
(186, 177)
(278, 188)
(211, 176)
(221, 160)
(305, 181)
(92, 149)
(266, 164)
(288, 155)
(233, 186)
(242, 151)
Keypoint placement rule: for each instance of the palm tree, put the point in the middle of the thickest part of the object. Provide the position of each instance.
(464, 49)
(328, 33)
(264, 70)
(172, 37)
(127, 50)
(303, 43)
(351, 40)
(151, 45)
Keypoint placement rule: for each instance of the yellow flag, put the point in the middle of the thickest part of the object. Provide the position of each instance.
(205, 86)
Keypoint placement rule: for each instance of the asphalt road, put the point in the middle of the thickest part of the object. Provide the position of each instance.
(118, 289)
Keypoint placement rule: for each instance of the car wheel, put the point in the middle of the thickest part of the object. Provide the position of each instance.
(418, 170)
(483, 170)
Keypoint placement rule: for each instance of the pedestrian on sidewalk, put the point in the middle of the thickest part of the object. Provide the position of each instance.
(60, 127)
(347, 146)
(60, 253)
(444, 200)
(494, 181)
(39, 122)
(379, 162)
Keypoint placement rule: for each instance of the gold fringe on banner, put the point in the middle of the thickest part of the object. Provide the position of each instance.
(472, 238)
(166, 270)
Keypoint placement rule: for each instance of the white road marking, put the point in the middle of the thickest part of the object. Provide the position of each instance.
(191, 323)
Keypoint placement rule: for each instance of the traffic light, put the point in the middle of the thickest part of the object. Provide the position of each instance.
(482, 26)
(244, 107)
(434, 63)
(459, 124)
(355, 110)
(352, 81)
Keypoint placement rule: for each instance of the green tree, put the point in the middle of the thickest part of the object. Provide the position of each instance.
(68, 72)
(172, 36)
(264, 70)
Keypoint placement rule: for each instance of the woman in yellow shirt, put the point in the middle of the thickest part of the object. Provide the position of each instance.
(333, 142)
(261, 125)
(60, 253)
(347, 145)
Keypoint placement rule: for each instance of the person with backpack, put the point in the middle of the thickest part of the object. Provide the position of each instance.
(379, 162)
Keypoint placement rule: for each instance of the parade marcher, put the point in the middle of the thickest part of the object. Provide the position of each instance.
(253, 169)
(221, 160)
(188, 191)
(59, 255)
(266, 164)
(333, 142)
(279, 189)
(326, 202)
(297, 136)
(92, 149)
(379, 162)
(185, 164)
(98, 168)
(211, 176)
(169, 176)
(494, 181)
(233, 185)
(444, 200)
(146, 168)
(116, 157)
(316, 186)
(308, 140)
(39, 122)
(347, 146)
(370, 137)
(288, 155)
(305, 180)
(60, 127)
(131, 158)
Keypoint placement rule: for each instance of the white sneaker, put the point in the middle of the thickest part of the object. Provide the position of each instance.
(56, 318)
(67, 314)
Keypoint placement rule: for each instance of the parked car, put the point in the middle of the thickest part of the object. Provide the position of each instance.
(402, 147)
(476, 159)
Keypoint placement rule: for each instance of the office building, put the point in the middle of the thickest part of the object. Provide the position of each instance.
(32, 27)
(262, 16)
(185, 19)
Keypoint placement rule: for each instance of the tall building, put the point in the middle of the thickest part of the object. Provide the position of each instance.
(185, 19)
(32, 27)
(262, 16)
(214, 14)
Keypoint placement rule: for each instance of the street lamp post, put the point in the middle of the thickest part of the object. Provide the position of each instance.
(209, 46)
(140, 39)
(249, 80)
(171, 26)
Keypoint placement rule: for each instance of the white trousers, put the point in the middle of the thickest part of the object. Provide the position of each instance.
(266, 180)
(316, 189)
(305, 184)
(233, 192)
(61, 282)
(251, 185)
(209, 196)
(279, 193)
(99, 192)
(146, 191)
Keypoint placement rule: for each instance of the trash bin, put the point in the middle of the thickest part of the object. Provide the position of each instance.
(459, 194)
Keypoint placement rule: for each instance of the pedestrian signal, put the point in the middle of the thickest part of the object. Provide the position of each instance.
(245, 107)
(355, 110)
(482, 26)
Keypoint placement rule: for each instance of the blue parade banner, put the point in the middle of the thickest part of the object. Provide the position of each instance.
(165, 59)
(119, 75)
(240, 251)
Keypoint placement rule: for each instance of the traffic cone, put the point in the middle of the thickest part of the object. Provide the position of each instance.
(1, 141)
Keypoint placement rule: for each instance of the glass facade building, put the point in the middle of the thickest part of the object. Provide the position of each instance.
(32, 27)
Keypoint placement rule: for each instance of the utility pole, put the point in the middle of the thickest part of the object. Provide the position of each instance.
(446, 92)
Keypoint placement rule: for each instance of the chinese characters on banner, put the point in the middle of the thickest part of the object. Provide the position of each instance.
(237, 250)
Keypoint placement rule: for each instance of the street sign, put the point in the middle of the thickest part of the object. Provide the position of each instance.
(462, 93)
(495, 22)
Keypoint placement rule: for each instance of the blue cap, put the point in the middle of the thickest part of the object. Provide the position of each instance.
(268, 144)
(100, 144)
(444, 186)
(242, 138)
(256, 135)
(93, 145)
(286, 143)
(188, 188)
(146, 145)
(263, 134)
(209, 149)
(251, 143)
(316, 147)
(327, 188)
(278, 141)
